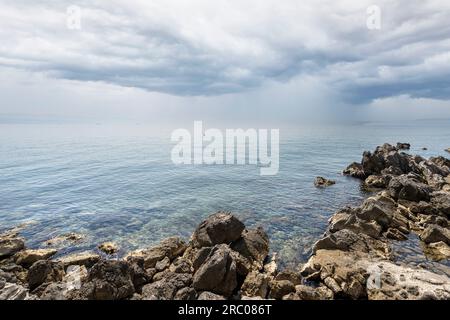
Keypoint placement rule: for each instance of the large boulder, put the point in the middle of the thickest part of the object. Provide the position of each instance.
(44, 271)
(255, 285)
(217, 274)
(253, 245)
(108, 280)
(218, 228)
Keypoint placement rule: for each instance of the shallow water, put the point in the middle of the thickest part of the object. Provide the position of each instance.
(118, 183)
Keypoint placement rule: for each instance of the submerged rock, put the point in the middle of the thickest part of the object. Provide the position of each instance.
(322, 182)
(403, 146)
(108, 247)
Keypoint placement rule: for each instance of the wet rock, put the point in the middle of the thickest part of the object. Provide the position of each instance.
(437, 251)
(85, 258)
(64, 240)
(395, 234)
(30, 256)
(218, 228)
(271, 266)
(253, 245)
(9, 246)
(322, 182)
(255, 285)
(217, 274)
(205, 295)
(108, 247)
(44, 271)
(408, 187)
(435, 233)
(403, 146)
(355, 170)
(171, 247)
(108, 280)
(280, 288)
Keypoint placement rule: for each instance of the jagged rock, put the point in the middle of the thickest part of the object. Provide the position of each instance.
(9, 246)
(377, 181)
(403, 146)
(44, 271)
(435, 233)
(322, 182)
(340, 240)
(303, 292)
(217, 273)
(108, 280)
(181, 265)
(167, 287)
(171, 247)
(280, 288)
(253, 245)
(205, 295)
(408, 187)
(395, 234)
(355, 170)
(255, 285)
(440, 201)
(85, 258)
(30, 256)
(271, 266)
(108, 247)
(218, 228)
(437, 251)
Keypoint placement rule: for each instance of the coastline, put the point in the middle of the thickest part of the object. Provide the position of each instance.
(224, 260)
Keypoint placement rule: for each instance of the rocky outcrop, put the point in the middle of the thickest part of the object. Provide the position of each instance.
(322, 182)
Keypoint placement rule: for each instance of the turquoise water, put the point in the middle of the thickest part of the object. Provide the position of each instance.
(118, 183)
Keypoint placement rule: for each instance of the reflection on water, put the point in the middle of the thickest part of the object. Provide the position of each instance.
(120, 185)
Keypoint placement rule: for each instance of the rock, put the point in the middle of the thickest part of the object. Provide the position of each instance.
(108, 247)
(187, 293)
(408, 187)
(437, 251)
(167, 287)
(205, 295)
(308, 293)
(13, 291)
(162, 264)
(30, 256)
(108, 280)
(9, 246)
(395, 234)
(435, 233)
(355, 170)
(171, 247)
(217, 274)
(85, 258)
(255, 285)
(448, 150)
(424, 148)
(377, 181)
(64, 240)
(403, 146)
(440, 201)
(290, 275)
(44, 271)
(322, 182)
(181, 265)
(340, 240)
(271, 266)
(253, 245)
(218, 228)
(280, 288)
(388, 281)
(379, 209)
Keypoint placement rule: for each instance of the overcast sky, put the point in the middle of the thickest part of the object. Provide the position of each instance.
(165, 60)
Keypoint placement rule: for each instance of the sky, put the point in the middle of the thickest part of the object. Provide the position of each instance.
(166, 61)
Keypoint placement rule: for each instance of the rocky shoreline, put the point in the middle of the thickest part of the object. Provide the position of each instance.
(225, 260)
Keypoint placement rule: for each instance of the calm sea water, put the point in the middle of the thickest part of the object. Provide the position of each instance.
(119, 184)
